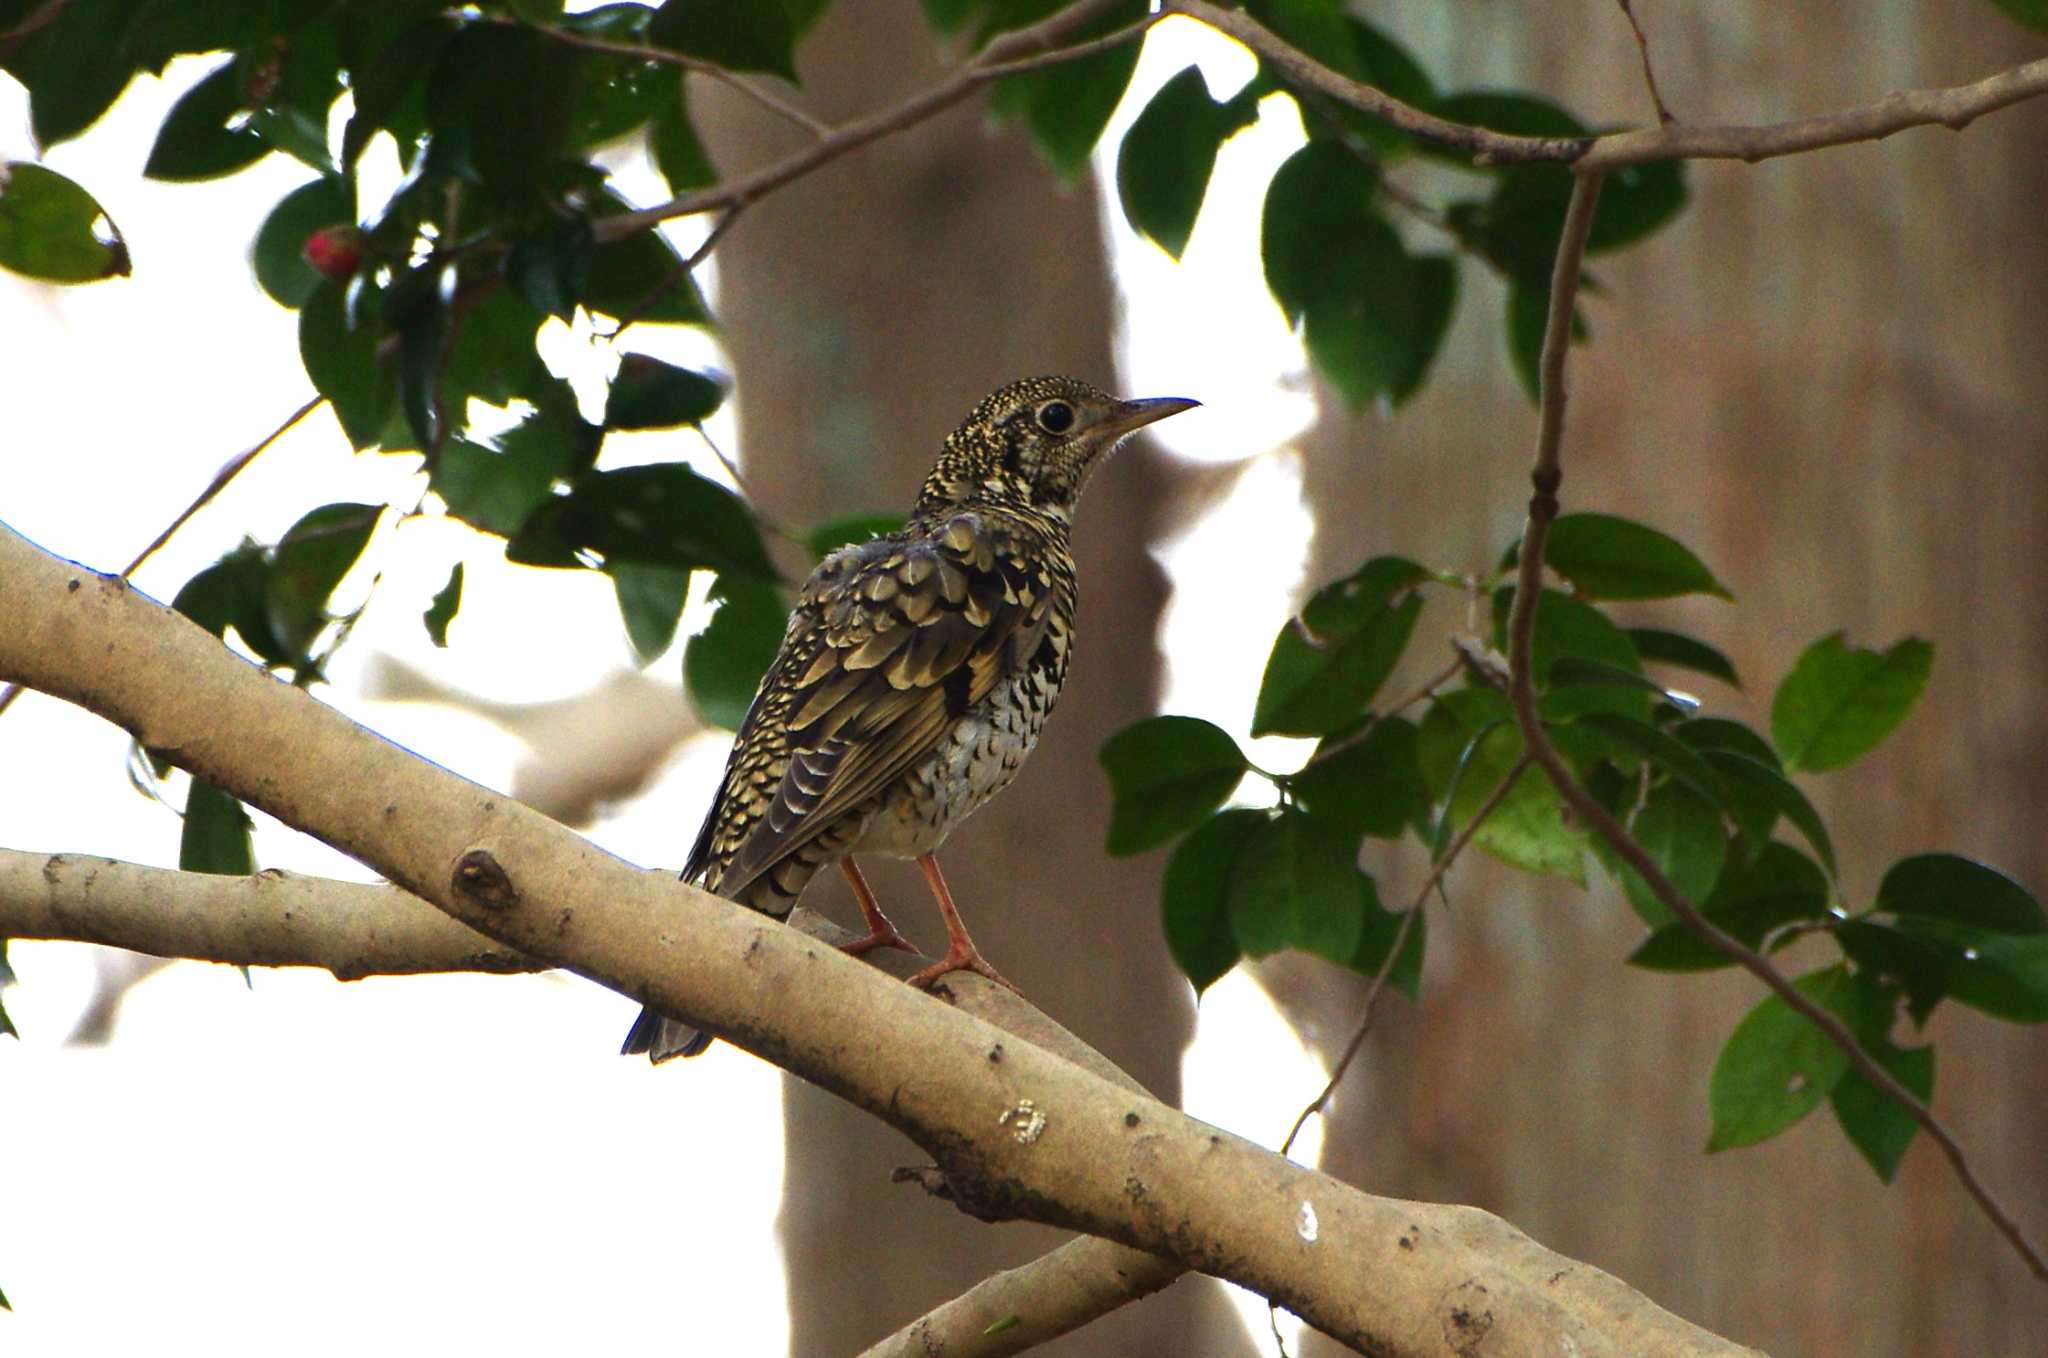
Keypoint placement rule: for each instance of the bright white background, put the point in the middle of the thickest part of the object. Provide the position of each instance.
(326, 1166)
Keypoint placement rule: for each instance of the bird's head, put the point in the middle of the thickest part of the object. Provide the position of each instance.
(1031, 445)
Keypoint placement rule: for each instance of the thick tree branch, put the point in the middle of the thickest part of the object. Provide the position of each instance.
(1546, 475)
(1017, 1131)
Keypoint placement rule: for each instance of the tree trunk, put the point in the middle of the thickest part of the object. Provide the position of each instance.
(867, 308)
(1826, 379)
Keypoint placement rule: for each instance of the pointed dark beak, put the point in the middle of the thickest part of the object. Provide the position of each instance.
(1129, 416)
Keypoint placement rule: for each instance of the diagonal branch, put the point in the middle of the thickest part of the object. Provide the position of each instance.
(1092, 1155)
(1546, 475)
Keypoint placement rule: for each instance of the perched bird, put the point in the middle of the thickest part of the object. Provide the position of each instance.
(914, 675)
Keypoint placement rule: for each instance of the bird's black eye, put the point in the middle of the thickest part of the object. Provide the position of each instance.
(1055, 417)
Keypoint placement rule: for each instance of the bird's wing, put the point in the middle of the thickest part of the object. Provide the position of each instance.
(890, 644)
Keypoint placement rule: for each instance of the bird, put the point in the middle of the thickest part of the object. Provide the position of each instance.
(914, 676)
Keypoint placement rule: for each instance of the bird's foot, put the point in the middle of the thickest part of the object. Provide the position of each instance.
(883, 937)
(961, 956)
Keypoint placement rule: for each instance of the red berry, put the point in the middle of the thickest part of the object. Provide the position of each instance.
(335, 251)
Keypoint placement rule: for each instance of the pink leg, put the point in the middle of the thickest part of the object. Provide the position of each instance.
(881, 933)
(961, 954)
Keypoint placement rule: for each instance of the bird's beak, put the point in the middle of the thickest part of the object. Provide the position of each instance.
(1126, 417)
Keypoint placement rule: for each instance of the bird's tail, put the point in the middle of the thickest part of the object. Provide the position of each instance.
(661, 1038)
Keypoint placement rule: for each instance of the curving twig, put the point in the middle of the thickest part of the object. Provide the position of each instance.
(1649, 73)
(1545, 476)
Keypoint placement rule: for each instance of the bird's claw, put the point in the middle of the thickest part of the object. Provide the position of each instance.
(961, 959)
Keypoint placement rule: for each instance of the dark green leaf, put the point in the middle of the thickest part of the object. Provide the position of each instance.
(492, 355)
(1565, 626)
(1840, 701)
(1749, 900)
(1162, 168)
(496, 491)
(651, 601)
(204, 135)
(616, 93)
(739, 37)
(1194, 896)
(658, 515)
(651, 394)
(1635, 201)
(1528, 308)
(501, 102)
(833, 534)
(1295, 885)
(1758, 794)
(1371, 787)
(1468, 743)
(416, 306)
(1919, 966)
(75, 66)
(279, 252)
(1776, 1067)
(1319, 214)
(1719, 733)
(550, 267)
(1944, 886)
(1327, 664)
(1607, 557)
(723, 664)
(641, 276)
(309, 561)
(1065, 107)
(52, 229)
(1168, 774)
(232, 593)
(1668, 753)
(2032, 13)
(343, 365)
(678, 153)
(2005, 975)
(442, 610)
(385, 67)
(1657, 646)
(216, 834)
(1381, 928)
(1681, 831)
(1872, 1120)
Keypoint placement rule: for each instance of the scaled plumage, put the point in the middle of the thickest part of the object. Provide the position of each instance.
(915, 673)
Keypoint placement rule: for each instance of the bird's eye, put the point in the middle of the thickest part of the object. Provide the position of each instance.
(1055, 417)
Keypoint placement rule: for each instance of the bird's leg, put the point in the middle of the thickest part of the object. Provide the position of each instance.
(961, 954)
(881, 933)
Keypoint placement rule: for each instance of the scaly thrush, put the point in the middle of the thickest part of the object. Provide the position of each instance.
(914, 675)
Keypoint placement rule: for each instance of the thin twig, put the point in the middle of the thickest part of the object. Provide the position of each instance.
(679, 273)
(1012, 53)
(1649, 75)
(1335, 748)
(1546, 475)
(1408, 918)
(234, 467)
(775, 104)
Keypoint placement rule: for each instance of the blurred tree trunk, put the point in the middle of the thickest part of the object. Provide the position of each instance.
(1826, 378)
(867, 308)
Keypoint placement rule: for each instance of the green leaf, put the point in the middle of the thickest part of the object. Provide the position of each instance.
(1840, 701)
(491, 355)
(1327, 664)
(278, 255)
(1163, 166)
(1295, 885)
(1919, 966)
(1944, 886)
(497, 490)
(651, 602)
(342, 361)
(1528, 314)
(74, 67)
(1776, 1067)
(651, 394)
(52, 229)
(1168, 774)
(550, 267)
(723, 664)
(216, 834)
(232, 593)
(739, 37)
(2032, 13)
(1758, 794)
(1656, 646)
(848, 530)
(385, 64)
(1669, 754)
(616, 93)
(658, 515)
(1381, 927)
(1371, 787)
(642, 276)
(1875, 1124)
(309, 561)
(1194, 896)
(1564, 627)
(1607, 557)
(677, 151)
(1319, 211)
(1720, 733)
(1065, 107)
(501, 102)
(417, 306)
(2005, 975)
(1748, 901)
(442, 610)
(1467, 744)
(1681, 830)
(204, 135)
